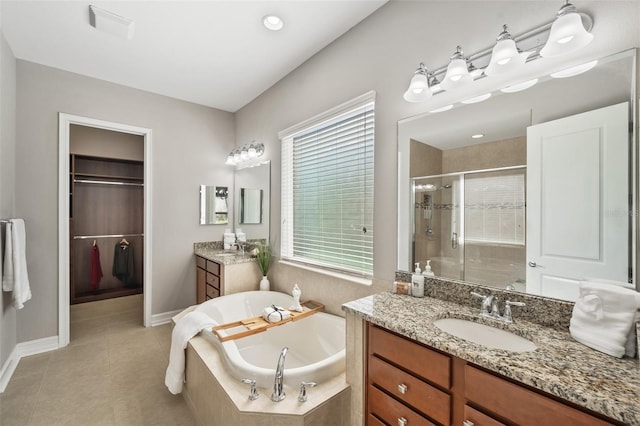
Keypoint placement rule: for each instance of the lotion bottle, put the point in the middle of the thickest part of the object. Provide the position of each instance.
(427, 270)
(417, 282)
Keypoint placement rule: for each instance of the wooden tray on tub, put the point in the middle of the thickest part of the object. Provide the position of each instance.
(255, 325)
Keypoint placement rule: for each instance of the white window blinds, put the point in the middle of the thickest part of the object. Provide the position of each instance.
(327, 191)
(495, 208)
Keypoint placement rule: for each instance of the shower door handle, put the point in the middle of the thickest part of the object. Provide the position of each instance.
(454, 240)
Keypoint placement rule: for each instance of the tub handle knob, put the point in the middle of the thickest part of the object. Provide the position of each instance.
(402, 388)
(253, 393)
(302, 397)
(402, 421)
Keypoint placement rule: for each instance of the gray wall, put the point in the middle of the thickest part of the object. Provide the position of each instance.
(105, 143)
(190, 144)
(381, 54)
(7, 178)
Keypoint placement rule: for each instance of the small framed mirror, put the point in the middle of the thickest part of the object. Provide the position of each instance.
(250, 206)
(214, 205)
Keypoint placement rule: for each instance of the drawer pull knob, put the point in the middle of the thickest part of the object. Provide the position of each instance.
(402, 388)
(468, 423)
(402, 421)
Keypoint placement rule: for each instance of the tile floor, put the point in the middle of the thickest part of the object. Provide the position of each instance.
(112, 373)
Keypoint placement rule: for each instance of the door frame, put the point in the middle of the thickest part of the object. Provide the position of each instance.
(64, 125)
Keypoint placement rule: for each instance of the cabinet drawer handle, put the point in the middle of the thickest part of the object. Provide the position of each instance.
(468, 423)
(402, 388)
(402, 421)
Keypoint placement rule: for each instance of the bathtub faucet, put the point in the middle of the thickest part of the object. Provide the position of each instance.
(278, 384)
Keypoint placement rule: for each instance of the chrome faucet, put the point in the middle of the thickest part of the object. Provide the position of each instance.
(278, 384)
(490, 308)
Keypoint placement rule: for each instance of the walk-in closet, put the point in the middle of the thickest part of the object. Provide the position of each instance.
(106, 224)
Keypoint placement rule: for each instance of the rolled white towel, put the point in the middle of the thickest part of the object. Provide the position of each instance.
(603, 317)
(275, 314)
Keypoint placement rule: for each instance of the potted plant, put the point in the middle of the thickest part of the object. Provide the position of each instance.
(263, 258)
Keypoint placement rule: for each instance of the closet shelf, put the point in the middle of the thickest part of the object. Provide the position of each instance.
(108, 177)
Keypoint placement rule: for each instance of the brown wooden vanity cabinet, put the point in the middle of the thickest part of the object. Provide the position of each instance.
(207, 279)
(410, 384)
(407, 383)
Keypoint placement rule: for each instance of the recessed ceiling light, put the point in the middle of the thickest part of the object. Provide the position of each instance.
(477, 136)
(477, 99)
(273, 22)
(519, 86)
(570, 72)
(444, 108)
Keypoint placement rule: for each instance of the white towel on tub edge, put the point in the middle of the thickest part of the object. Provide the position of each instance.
(186, 327)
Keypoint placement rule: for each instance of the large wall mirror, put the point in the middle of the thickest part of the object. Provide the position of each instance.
(531, 191)
(252, 194)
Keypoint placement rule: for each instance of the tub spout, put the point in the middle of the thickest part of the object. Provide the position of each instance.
(278, 384)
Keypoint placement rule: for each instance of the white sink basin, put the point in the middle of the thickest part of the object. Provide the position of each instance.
(485, 335)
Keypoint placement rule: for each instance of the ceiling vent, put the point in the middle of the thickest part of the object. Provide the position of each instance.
(111, 23)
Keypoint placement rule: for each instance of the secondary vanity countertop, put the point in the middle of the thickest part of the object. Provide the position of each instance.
(214, 252)
(560, 366)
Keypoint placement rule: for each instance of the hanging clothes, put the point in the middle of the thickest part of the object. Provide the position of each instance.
(96, 268)
(123, 262)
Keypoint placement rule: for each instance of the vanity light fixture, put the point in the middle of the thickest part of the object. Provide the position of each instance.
(418, 90)
(245, 155)
(518, 87)
(505, 56)
(477, 136)
(273, 22)
(457, 71)
(568, 33)
(578, 69)
(443, 109)
(477, 99)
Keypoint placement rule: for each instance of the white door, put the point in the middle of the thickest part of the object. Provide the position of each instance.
(578, 201)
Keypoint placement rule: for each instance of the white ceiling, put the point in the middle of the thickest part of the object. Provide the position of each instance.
(213, 53)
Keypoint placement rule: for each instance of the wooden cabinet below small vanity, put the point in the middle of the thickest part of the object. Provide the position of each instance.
(207, 279)
(408, 383)
(225, 275)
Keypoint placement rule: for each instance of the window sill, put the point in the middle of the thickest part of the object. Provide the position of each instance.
(334, 274)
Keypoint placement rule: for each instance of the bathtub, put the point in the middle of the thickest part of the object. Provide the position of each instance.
(316, 343)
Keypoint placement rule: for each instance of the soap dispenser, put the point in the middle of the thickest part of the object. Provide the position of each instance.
(417, 282)
(427, 270)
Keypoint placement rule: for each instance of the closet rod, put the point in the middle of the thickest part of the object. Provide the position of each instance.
(104, 182)
(85, 237)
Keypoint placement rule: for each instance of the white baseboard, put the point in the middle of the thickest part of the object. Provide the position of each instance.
(163, 318)
(8, 368)
(32, 347)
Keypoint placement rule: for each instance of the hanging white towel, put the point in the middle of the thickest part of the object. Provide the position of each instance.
(186, 327)
(15, 277)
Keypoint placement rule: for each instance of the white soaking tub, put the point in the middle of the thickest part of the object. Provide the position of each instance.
(316, 343)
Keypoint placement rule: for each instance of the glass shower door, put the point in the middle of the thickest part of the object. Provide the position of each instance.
(437, 225)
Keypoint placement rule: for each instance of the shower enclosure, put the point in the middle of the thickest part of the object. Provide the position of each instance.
(471, 225)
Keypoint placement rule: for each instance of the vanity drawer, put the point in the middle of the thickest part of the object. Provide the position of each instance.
(373, 421)
(213, 267)
(412, 356)
(410, 390)
(519, 404)
(476, 418)
(393, 412)
(212, 292)
(213, 280)
(201, 262)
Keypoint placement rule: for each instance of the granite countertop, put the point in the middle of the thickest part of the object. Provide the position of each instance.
(224, 257)
(560, 366)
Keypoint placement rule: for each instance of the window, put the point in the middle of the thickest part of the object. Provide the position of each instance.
(327, 189)
(495, 207)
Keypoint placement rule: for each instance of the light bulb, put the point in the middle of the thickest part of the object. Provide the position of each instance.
(567, 34)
